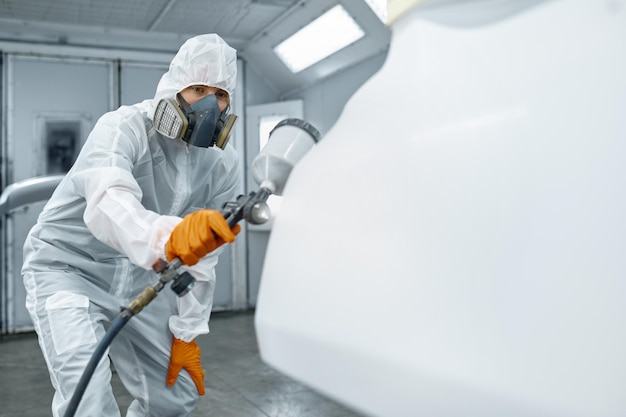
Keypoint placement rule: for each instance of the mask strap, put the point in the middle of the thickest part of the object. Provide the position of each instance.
(189, 114)
(186, 107)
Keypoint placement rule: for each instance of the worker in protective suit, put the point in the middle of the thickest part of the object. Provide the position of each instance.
(143, 188)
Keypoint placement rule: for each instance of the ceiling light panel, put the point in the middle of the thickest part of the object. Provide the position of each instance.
(329, 33)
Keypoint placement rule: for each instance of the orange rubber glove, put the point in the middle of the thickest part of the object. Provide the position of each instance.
(186, 355)
(199, 233)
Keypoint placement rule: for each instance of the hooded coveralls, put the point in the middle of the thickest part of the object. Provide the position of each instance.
(93, 246)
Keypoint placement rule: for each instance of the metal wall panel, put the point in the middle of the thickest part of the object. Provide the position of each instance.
(138, 81)
(51, 105)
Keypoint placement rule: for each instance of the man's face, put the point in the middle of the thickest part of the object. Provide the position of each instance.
(194, 93)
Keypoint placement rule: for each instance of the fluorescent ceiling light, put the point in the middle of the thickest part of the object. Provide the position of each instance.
(324, 36)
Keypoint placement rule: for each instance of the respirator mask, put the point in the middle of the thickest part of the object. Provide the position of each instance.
(199, 124)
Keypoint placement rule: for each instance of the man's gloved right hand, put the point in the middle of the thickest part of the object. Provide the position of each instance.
(197, 234)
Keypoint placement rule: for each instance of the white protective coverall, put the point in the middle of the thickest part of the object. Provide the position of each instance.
(93, 246)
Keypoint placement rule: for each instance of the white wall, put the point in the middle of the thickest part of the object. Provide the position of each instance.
(324, 102)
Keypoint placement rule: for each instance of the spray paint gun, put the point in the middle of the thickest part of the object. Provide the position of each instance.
(288, 142)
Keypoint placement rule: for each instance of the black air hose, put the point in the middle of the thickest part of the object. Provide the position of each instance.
(117, 325)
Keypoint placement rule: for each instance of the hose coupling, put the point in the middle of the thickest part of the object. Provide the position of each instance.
(142, 300)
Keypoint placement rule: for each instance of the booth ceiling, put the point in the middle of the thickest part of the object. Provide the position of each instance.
(253, 27)
(237, 21)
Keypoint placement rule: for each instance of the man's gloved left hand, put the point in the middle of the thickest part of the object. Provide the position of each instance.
(186, 355)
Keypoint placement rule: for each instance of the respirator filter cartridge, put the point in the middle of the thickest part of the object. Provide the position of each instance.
(169, 119)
